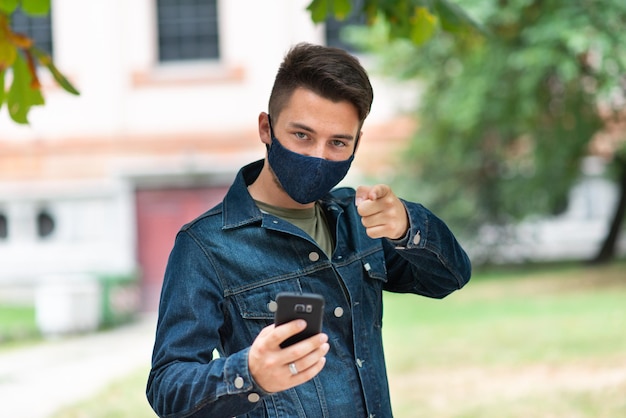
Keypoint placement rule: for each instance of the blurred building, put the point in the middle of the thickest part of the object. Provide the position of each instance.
(171, 90)
(575, 234)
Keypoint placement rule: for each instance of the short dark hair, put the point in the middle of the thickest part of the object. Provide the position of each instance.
(329, 72)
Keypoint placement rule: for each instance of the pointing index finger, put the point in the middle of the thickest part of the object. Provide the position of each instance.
(372, 193)
(379, 191)
(362, 193)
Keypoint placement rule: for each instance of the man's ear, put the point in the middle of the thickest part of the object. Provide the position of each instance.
(264, 128)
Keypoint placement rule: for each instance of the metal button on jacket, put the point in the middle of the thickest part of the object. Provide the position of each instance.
(313, 256)
(417, 238)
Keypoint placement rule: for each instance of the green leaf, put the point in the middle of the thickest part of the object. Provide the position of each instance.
(341, 9)
(370, 8)
(60, 78)
(1, 87)
(36, 7)
(8, 6)
(319, 10)
(45, 60)
(22, 96)
(454, 19)
(423, 25)
(8, 53)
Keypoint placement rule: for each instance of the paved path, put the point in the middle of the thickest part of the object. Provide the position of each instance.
(36, 381)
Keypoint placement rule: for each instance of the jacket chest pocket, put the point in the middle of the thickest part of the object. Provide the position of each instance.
(254, 307)
(374, 267)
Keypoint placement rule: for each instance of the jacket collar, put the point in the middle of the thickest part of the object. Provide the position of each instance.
(239, 207)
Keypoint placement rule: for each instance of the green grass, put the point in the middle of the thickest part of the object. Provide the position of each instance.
(524, 328)
(123, 398)
(539, 343)
(17, 325)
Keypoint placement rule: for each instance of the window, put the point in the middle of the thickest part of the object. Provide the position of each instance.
(45, 224)
(39, 28)
(187, 29)
(335, 27)
(4, 226)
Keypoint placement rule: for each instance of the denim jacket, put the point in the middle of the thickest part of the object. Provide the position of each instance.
(228, 265)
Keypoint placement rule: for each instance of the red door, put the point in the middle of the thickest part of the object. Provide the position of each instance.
(160, 214)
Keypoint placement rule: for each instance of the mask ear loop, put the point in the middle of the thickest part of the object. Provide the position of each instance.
(269, 121)
(356, 142)
(357, 139)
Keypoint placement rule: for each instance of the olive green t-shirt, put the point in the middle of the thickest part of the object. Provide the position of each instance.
(310, 220)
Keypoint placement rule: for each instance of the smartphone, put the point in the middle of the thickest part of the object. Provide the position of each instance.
(307, 306)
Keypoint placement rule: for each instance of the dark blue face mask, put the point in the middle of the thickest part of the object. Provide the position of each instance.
(304, 178)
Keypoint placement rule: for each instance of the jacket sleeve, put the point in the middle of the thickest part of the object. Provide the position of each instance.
(185, 379)
(429, 260)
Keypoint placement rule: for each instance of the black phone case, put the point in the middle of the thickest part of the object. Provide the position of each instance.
(307, 306)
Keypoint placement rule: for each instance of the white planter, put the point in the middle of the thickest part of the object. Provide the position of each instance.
(68, 305)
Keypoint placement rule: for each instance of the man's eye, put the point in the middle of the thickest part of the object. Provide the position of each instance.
(300, 135)
(338, 143)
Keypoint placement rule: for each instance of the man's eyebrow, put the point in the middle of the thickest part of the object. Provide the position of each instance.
(297, 125)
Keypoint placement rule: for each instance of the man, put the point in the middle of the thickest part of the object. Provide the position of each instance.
(279, 229)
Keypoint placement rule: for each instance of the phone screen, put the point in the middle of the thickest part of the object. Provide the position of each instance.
(307, 306)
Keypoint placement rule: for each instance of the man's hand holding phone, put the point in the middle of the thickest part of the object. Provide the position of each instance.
(291, 351)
